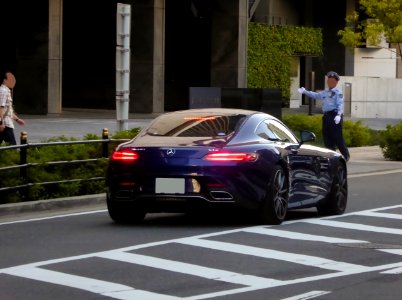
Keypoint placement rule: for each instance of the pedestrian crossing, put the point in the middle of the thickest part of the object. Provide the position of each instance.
(239, 282)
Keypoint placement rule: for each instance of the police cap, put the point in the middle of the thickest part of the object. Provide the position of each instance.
(332, 74)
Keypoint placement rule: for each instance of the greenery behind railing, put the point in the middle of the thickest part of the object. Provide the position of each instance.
(59, 167)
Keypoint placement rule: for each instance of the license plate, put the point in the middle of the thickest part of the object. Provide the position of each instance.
(169, 186)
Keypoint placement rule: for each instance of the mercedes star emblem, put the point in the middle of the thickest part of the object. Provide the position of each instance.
(170, 152)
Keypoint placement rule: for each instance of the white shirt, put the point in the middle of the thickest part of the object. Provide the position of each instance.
(6, 102)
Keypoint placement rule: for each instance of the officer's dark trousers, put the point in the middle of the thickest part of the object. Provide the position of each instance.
(332, 134)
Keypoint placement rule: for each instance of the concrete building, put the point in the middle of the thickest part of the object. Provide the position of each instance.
(63, 52)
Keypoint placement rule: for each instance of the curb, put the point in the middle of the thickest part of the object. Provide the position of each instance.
(52, 204)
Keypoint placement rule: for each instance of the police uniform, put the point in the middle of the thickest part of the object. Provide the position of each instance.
(332, 106)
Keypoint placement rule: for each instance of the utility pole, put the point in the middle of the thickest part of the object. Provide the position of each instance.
(123, 26)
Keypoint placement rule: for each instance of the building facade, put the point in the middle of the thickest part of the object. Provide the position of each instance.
(64, 53)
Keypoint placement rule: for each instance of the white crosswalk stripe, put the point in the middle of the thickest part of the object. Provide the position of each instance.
(329, 268)
(380, 215)
(300, 236)
(117, 291)
(311, 261)
(355, 226)
(190, 269)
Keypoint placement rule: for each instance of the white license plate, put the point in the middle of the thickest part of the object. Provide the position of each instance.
(169, 186)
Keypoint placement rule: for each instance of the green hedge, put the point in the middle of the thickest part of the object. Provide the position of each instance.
(44, 172)
(391, 142)
(271, 50)
(355, 134)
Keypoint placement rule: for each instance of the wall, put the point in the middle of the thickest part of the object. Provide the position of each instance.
(295, 98)
(374, 62)
(374, 97)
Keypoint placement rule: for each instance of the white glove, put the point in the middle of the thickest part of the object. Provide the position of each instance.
(301, 90)
(337, 119)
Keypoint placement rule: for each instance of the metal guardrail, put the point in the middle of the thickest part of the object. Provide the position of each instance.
(24, 165)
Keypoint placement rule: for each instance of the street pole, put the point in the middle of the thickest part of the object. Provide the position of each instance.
(123, 27)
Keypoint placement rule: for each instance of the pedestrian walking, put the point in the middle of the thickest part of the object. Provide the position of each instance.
(7, 114)
(332, 108)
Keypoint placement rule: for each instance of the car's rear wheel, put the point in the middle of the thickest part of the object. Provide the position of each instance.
(125, 213)
(336, 201)
(275, 206)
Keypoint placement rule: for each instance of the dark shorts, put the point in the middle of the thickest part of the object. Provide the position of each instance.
(7, 135)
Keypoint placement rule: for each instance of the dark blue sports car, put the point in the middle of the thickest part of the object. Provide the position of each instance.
(216, 157)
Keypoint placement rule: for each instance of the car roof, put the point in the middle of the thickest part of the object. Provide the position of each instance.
(217, 110)
(253, 117)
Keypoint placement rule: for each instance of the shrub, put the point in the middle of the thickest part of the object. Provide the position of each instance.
(126, 134)
(298, 122)
(355, 133)
(391, 142)
(44, 167)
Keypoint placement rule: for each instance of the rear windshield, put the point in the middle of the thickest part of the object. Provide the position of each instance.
(199, 125)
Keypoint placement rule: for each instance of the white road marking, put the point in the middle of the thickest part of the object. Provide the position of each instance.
(55, 217)
(190, 269)
(105, 288)
(392, 251)
(395, 271)
(354, 226)
(250, 282)
(308, 295)
(379, 215)
(307, 260)
(300, 236)
(375, 173)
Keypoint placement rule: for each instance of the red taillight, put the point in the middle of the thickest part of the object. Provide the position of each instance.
(199, 118)
(127, 184)
(230, 156)
(124, 155)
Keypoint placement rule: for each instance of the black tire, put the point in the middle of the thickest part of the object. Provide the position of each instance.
(125, 213)
(275, 206)
(336, 201)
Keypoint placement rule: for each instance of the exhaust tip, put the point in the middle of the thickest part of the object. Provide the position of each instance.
(221, 195)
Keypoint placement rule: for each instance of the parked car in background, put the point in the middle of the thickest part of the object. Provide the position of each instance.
(216, 157)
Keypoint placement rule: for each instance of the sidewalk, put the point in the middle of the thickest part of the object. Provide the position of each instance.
(77, 123)
(370, 159)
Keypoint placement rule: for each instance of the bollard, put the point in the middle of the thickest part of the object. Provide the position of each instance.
(23, 154)
(24, 137)
(23, 162)
(105, 146)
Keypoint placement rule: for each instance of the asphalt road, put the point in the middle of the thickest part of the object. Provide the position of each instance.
(69, 248)
(172, 256)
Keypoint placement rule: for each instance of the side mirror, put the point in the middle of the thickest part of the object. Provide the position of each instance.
(306, 136)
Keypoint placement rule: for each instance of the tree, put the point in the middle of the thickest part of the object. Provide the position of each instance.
(375, 20)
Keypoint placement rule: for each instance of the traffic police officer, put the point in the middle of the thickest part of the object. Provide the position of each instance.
(332, 107)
